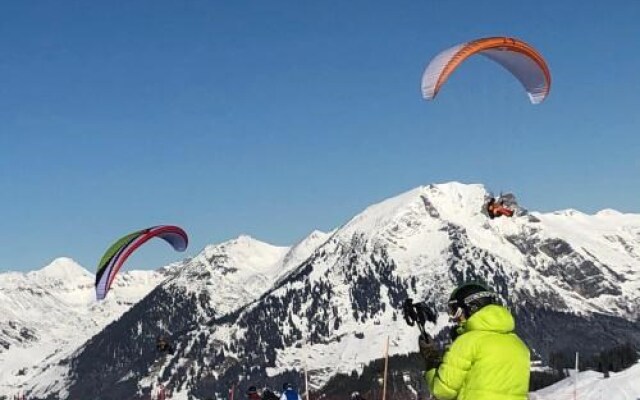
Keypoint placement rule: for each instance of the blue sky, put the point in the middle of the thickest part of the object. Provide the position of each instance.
(276, 118)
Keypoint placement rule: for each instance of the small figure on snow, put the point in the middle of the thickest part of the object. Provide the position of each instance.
(356, 396)
(163, 345)
(252, 394)
(289, 393)
(268, 394)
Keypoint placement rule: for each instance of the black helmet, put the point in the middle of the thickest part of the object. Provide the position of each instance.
(286, 386)
(252, 390)
(469, 298)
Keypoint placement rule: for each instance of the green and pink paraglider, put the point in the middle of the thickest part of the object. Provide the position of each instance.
(118, 253)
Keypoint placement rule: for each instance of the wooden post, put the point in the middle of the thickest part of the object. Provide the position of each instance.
(575, 387)
(386, 368)
(306, 376)
(306, 381)
(306, 357)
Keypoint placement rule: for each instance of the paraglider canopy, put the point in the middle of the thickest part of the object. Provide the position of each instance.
(117, 254)
(523, 61)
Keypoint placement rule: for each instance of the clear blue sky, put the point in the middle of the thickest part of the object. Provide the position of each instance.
(273, 118)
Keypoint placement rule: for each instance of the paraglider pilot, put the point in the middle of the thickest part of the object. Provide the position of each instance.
(498, 209)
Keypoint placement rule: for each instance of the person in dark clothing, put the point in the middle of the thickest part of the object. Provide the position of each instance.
(356, 396)
(252, 394)
(163, 345)
(268, 394)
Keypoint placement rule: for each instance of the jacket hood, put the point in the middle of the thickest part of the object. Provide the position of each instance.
(492, 318)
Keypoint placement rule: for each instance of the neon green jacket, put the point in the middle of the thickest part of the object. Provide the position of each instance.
(488, 361)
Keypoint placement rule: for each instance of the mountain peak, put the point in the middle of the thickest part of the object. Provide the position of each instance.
(569, 212)
(247, 252)
(609, 212)
(314, 238)
(303, 249)
(453, 201)
(316, 234)
(62, 268)
(245, 240)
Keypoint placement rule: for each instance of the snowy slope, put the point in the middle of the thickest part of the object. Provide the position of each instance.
(302, 250)
(240, 270)
(232, 273)
(420, 244)
(229, 275)
(334, 298)
(624, 385)
(49, 313)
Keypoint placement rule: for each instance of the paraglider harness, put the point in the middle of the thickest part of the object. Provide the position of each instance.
(419, 313)
(497, 208)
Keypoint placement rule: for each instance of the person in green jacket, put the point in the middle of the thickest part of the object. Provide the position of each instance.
(487, 360)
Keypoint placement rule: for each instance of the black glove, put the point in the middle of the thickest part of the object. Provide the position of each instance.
(430, 352)
(454, 332)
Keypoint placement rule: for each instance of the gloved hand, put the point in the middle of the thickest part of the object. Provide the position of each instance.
(454, 332)
(430, 352)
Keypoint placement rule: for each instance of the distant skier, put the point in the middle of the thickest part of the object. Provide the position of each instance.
(356, 396)
(289, 393)
(268, 394)
(161, 393)
(487, 360)
(252, 394)
(163, 345)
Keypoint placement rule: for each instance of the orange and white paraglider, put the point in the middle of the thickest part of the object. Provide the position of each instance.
(522, 60)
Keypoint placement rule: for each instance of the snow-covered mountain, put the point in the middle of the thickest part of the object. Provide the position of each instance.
(229, 275)
(245, 311)
(236, 272)
(591, 385)
(47, 314)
